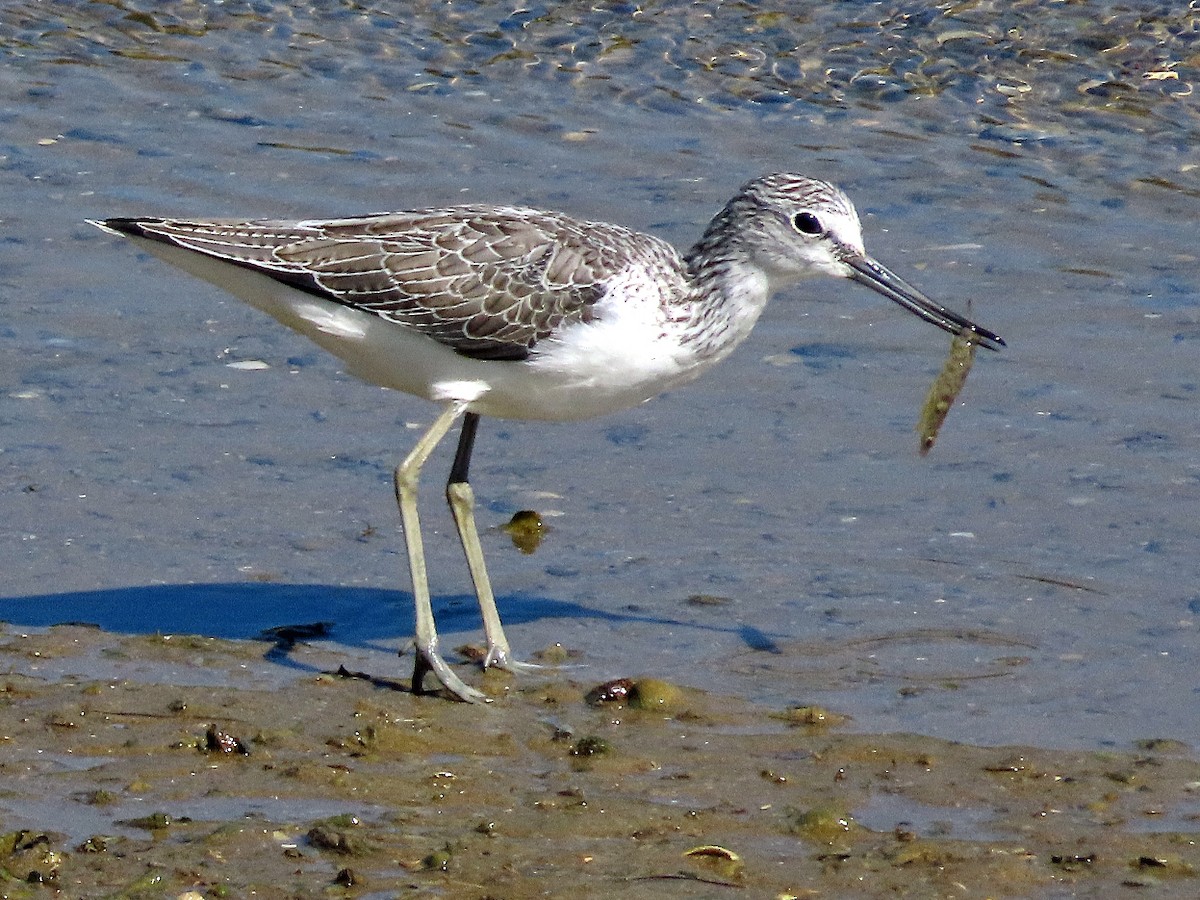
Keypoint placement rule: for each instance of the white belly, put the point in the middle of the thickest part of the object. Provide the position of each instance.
(623, 358)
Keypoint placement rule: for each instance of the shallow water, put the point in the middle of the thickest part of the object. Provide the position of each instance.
(1033, 580)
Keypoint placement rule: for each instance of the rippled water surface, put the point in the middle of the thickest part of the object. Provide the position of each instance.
(771, 528)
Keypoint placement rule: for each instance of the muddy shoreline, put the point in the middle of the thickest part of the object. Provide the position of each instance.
(340, 785)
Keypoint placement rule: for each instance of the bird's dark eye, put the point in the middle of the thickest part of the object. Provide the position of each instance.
(807, 223)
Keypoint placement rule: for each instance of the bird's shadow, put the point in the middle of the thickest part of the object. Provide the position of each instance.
(368, 618)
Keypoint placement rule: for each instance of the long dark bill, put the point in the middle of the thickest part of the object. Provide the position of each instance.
(879, 278)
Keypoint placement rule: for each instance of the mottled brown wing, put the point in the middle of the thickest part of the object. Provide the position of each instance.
(490, 283)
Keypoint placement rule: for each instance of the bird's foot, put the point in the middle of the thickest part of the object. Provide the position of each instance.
(498, 657)
(428, 660)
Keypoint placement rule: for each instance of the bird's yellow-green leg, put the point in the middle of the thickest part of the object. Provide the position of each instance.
(426, 641)
(461, 498)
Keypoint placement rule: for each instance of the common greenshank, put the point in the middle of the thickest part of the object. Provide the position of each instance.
(525, 314)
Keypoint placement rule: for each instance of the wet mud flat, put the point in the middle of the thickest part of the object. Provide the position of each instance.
(336, 784)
